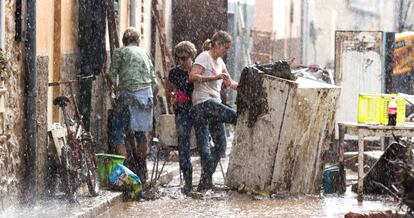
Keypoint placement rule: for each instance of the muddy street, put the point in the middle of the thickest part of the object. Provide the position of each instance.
(236, 205)
(222, 202)
(273, 108)
(233, 204)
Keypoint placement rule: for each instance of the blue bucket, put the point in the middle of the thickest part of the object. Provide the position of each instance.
(328, 179)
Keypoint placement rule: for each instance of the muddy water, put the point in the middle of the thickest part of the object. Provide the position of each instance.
(225, 203)
(233, 204)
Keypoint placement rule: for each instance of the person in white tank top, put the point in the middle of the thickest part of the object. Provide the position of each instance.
(208, 74)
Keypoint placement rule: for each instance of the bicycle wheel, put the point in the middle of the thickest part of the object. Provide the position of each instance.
(90, 165)
(68, 175)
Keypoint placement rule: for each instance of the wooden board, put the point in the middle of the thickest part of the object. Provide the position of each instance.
(359, 58)
(58, 139)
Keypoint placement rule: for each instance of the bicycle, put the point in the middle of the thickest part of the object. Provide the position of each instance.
(77, 156)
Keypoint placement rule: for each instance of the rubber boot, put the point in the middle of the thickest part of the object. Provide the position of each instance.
(188, 182)
(206, 183)
(142, 169)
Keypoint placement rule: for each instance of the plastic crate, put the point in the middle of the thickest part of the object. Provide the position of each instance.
(105, 164)
(373, 108)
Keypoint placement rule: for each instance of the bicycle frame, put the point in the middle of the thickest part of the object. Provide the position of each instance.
(81, 164)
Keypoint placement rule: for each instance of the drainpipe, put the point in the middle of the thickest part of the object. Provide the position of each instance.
(133, 13)
(304, 31)
(153, 32)
(30, 99)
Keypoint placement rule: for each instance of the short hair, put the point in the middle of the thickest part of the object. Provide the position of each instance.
(219, 38)
(185, 49)
(131, 35)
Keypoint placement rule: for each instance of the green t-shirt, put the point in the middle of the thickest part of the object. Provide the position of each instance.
(133, 67)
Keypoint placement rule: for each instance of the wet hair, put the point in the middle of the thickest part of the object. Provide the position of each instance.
(131, 35)
(219, 38)
(184, 50)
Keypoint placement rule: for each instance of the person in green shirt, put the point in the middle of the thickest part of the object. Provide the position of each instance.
(132, 72)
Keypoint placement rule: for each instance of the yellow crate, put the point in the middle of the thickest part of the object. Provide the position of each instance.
(373, 108)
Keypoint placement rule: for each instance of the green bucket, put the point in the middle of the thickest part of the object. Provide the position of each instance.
(106, 163)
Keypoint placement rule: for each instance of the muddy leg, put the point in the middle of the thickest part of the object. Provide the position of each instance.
(360, 169)
(141, 151)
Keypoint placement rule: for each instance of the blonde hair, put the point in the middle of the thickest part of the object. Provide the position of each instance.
(185, 49)
(207, 45)
(131, 35)
(219, 38)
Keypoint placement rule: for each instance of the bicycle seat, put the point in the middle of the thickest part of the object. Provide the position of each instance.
(61, 101)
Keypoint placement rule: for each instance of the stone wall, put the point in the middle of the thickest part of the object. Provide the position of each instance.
(11, 150)
(42, 69)
(99, 116)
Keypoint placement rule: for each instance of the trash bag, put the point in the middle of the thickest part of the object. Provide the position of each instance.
(279, 69)
(127, 181)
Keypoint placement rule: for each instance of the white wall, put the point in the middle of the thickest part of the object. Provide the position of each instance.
(330, 15)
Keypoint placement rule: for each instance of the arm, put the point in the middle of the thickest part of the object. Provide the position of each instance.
(170, 87)
(153, 77)
(195, 75)
(228, 81)
(114, 68)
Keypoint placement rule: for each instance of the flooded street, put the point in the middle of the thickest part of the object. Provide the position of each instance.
(220, 202)
(228, 203)
(233, 204)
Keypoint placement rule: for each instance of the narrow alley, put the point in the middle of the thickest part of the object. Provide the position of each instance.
(206, 108)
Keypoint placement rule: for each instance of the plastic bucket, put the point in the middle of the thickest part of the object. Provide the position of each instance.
(106, 163)
(330, 175)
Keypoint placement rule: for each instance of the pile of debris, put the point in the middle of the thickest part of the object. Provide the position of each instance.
(313, 72)
(393, 174)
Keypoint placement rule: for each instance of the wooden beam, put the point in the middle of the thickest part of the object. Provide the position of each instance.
(112, 28)
(57, 54)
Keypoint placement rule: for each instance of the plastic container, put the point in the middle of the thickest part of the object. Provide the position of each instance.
(330, 175)
(124, 179)
(106, 162)
(373, 108)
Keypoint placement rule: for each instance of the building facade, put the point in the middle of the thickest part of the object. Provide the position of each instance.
(321, 18)
(24, 166)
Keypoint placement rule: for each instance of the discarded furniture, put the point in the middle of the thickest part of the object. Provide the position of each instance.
(384, 172)
(363, 131)
(58, 140)
(283, 130)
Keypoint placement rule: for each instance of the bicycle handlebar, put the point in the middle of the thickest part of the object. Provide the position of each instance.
(71, 81)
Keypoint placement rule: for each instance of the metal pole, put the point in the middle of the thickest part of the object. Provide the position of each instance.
(133, 13)
(30, 99)
(304, 31)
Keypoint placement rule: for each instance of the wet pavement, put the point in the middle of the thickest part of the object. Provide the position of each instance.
(233, 204)
(86, 207)
(222, 202)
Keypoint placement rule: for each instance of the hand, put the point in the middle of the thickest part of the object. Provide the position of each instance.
(121, 150)
(218, 77)
(112, 96)
(226, 76)
(233, 85)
